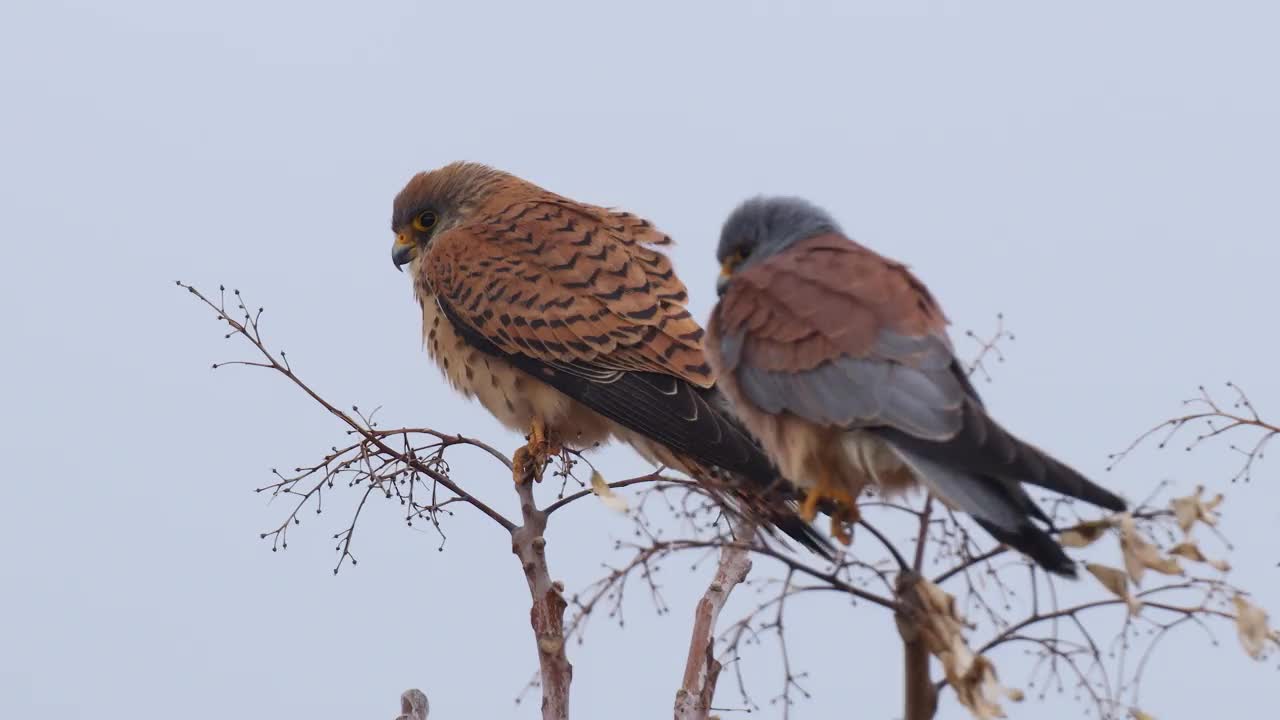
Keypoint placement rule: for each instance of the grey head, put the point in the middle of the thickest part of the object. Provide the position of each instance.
(764, 226)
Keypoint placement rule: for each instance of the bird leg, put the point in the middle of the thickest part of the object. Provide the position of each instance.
(530, 460)
(842, 509)
(844, 518)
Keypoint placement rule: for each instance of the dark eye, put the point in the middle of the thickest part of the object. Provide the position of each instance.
(425, 221)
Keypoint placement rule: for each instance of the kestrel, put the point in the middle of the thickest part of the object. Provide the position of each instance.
(568, 323)
(837, 359)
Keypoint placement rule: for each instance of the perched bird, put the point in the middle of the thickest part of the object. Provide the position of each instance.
(568, 323)
(838, 360)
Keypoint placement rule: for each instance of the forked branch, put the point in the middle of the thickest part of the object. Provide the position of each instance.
(702, 669)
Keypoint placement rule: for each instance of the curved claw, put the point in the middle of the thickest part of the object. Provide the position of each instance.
(845, 513)
(530, 461)
(843, 521)
(523, 466)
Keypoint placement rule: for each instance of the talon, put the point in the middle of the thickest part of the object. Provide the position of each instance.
(521, 465)
(842, 523)
(843, 515)
(840, 532)
(537, 433)
(530, 460)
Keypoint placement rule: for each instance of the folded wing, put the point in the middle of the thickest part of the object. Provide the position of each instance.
(578, 298)
(840, 336)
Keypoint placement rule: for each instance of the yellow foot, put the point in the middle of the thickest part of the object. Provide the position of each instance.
(522, 466)
(842, 523)
(530, 460)
(843, 513)
(809, 509)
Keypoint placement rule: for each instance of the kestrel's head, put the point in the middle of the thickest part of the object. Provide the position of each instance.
(765, 226)
(436, 201)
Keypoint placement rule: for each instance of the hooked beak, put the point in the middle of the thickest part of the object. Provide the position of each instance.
(726, 274)
(403, 251)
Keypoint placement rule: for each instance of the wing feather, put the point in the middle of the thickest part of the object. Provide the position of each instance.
(562, 282)
(580, 298)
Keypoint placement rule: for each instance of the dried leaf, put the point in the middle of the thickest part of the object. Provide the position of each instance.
(1184, 509)
(1084, 534)
(1117, 582)
(1191, 551)
(1193, 508)
(1166, 566)
(973, 677)
(1111, 578)
(611, 500)
(980, 690)
(1251, 624)
(1139, 555)
(1139, 715)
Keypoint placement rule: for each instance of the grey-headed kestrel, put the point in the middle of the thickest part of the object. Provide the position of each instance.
(567, 323)
(837, 359)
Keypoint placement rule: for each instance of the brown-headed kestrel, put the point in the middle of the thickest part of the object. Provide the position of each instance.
(838, 360)
(567, 323)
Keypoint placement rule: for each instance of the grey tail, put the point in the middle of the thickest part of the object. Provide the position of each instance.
(999, 506)
(1036, 544)
(805, 534)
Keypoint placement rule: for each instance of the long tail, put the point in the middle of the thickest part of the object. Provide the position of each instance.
(1000, 506)
(1036, 544)
(771, 504)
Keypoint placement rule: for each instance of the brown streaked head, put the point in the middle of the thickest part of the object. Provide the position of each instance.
(433, 202)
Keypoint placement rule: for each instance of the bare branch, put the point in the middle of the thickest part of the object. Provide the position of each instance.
(702, 669)
(247, 327)
(546, 616)
(1217, 419)
(921, 702)
(410, 466)
(649, 478)
(988, 347)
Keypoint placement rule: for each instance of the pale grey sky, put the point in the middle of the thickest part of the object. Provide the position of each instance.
(1104, 173)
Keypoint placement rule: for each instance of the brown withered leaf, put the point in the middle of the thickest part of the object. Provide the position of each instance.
(1140, 555)
(1084, 534)
(980, 690)
(1251, 625)
(1191, 551)
(973, 677)
(1192, 508)
(611, 500)
(1117, 582)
